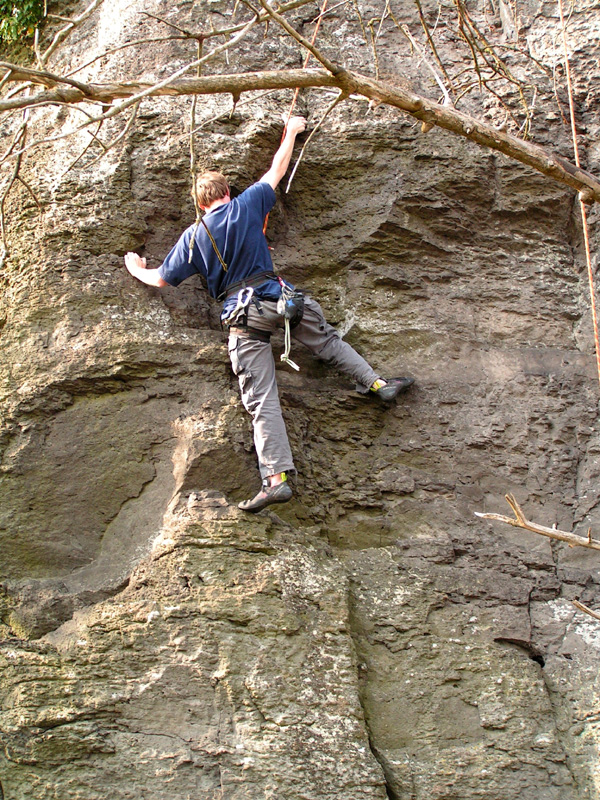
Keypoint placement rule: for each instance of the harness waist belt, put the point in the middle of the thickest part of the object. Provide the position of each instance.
(246, 332)
(250, 282)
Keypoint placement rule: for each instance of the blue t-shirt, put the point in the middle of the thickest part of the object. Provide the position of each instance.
(237, 228)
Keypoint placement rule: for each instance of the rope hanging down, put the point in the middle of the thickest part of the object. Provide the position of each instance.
(304, 66)
(586, 237)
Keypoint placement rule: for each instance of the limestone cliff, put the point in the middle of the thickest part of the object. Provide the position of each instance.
(372, 638)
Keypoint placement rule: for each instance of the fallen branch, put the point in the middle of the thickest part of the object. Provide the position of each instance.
(39, 76)
(210, 84)
(520, 521)
(423, 109)
(587, 610)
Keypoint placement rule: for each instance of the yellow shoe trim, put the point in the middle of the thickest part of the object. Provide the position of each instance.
(379, 384)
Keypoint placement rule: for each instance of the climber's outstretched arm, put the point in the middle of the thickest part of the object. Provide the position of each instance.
(137, 267)
(281, 159)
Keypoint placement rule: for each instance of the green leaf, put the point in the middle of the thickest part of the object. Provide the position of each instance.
(19, 18)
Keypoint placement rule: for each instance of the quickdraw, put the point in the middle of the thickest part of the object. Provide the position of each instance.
(291, 307)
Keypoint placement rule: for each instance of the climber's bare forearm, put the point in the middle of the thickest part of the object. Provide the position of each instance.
(281, 159)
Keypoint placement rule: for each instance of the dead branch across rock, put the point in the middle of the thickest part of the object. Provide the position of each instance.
(414, 104)
(520, 521)
(586, 610)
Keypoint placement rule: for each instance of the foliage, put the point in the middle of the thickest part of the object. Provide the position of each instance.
(19, 18)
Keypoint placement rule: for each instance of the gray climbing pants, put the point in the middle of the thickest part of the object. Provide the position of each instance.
(253, 363)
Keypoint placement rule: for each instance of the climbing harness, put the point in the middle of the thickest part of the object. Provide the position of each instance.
(247, 332)
(290, 305)
(586, 237)
(255, 280)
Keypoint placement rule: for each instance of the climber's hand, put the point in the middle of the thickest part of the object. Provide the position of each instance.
(132, 260)
(295, 125)
(136, 265)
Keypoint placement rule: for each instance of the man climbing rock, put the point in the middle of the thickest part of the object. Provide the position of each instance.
(230, 250)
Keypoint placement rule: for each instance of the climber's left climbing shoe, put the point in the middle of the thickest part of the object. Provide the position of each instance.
(280, 493)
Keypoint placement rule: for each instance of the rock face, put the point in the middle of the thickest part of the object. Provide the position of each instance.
(372, 638)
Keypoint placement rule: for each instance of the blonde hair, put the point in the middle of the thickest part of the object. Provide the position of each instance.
(210, 186)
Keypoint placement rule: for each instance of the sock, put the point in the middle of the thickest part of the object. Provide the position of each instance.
(378, 384)
(283, 479)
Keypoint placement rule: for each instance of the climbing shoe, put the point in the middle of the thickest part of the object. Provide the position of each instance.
(280, 493)
(392, 388)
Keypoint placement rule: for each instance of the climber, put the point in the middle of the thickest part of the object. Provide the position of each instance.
(230, 250)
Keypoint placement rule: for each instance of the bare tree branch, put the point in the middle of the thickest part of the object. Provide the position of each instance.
(520, 521)
(38, 76)
(17, 142)
(585, 609)
(5, 79)
(209, 84)
(420, 107)
(329, 65)
(187, 34)
(429, 36)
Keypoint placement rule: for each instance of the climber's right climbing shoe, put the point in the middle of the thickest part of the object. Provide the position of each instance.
(393, 388)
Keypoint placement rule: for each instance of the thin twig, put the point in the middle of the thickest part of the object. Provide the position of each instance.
(375, 36)
(429, 36)
(18, 141)
(360, 20)
(136, 43)
(61, 19)
(122, 135)
(374, 47)
(341, 97)
(62, 34)
(329, 65)
(192, 131)
(170, 24)
(31, 192)
(329, 11)
(5, 79)
(93, 138)
(419, 49)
